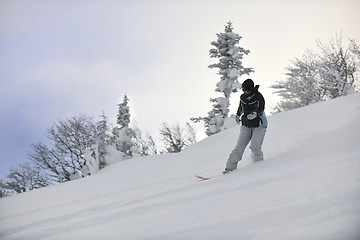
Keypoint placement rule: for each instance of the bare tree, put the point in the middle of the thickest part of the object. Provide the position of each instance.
(25, 177)
(68, 139)
(328, 74)
(51, 161)
(337, 66)
(302, 86)
(175, 138)
(72, 136)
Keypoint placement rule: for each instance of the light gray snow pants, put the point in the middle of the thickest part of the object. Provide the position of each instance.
(256, 136)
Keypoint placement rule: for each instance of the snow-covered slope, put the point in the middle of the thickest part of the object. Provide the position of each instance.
(307, 188)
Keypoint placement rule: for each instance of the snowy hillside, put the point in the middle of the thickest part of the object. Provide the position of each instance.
(307, 188)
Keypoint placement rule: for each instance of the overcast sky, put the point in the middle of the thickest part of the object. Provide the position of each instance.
(64, 58)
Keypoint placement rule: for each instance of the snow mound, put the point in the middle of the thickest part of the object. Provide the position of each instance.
(307, 188)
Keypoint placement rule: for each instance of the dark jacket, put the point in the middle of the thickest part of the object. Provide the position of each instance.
(249, 103)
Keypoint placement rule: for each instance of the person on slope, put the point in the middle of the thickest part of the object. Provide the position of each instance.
(254, 124)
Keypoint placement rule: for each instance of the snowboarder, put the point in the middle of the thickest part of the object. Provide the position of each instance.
(254, 124)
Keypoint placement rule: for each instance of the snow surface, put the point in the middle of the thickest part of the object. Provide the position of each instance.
(307, 188)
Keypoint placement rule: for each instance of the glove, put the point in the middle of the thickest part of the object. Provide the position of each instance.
(251, 116)
(237, 119)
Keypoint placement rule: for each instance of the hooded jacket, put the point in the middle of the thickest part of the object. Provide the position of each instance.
(250, 103)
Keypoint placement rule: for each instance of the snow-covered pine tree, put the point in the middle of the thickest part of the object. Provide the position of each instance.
(103, 139)
(124, 135)
(123, 117)
(145, 144)
(214, 122)
(230, 57)
(230, 66)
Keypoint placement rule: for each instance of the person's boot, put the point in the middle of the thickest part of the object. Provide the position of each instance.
(226, 171)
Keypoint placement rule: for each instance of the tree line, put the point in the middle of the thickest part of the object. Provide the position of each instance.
(79, 146)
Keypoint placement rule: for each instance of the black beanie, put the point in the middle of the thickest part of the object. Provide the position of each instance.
(248, 84)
